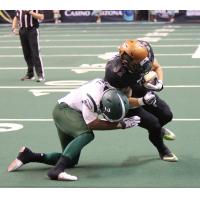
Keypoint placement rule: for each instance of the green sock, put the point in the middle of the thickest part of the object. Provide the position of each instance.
(51, 158)
(75, 146)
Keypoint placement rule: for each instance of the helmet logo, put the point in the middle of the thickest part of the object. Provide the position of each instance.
(107, 109)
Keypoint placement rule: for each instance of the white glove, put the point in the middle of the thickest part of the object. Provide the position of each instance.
(157, 87)
(148, 99)
(130, 122)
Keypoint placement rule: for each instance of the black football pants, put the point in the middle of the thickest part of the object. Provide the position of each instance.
(152, 119)
(31, 51)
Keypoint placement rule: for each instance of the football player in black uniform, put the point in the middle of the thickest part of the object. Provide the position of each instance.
(127, 71)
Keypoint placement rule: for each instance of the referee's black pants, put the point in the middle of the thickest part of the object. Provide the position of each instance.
(153, 119)
(31, 51)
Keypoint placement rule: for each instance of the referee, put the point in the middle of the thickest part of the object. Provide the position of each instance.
(28, 23)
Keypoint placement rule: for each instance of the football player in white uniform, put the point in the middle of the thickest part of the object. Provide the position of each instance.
(75, 117)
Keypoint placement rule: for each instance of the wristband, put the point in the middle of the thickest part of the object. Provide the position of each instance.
(141, 102)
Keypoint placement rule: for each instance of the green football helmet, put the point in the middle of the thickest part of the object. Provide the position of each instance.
(114, 105)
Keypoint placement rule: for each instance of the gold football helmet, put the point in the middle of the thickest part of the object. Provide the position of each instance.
(134, 57)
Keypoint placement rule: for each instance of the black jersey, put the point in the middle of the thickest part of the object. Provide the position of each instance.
(118, 76)
(26, 20)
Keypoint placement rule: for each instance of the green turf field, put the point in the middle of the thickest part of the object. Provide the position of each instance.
(73, 54)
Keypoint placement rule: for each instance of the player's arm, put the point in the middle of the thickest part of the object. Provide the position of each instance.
(15, 23)
(99, 124)
(158, 69)
(94, 123)
(158, 84)
(15, 29)
(37, 15)
(148, 99)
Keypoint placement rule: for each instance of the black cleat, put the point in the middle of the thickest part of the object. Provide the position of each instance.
(26, 77)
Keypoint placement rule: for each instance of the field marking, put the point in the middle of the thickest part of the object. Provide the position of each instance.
(196, 53)
(85, 34)
(109, 31)
(96, 46)
(39, 87)
(90, 67)
(87, 55)
(50, 120)
(105, 40)
(70, 87)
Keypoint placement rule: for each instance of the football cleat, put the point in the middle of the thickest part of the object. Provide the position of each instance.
(26, 77)
(168, 135)
(57, 174)
(40, 79)
(169, 157)
(15, 165)
(63, 176)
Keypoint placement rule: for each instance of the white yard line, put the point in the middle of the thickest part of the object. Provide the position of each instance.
(97, 46)
(95, 40)
(196, 53)
(87, 55)
(50, 120)
(70, 86)
(86, 34)
(101, 66)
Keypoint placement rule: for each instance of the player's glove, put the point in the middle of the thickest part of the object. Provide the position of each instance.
(130, 122)
(158, 86)
(148, 99)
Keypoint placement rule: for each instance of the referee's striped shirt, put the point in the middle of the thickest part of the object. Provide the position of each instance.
(26, 20)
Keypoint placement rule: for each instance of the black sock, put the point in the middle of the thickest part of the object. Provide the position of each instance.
(61, 165)
(28, 156)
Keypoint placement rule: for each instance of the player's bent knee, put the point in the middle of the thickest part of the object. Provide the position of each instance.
(168, 116)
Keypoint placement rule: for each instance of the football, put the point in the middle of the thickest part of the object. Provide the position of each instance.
(151, 77)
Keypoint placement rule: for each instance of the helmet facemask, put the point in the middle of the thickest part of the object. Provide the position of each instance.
(141, 68)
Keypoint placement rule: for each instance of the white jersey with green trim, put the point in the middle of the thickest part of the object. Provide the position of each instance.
(86, 99)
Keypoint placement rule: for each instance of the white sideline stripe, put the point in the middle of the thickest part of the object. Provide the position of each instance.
(85, 34)
(70, 87)
(91, 68)
(96, 40)
(85, 55)
(37, 87)
(96, 46)
(182, 86)
(50, 120)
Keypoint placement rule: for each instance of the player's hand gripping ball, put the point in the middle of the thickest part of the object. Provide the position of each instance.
(151, 82)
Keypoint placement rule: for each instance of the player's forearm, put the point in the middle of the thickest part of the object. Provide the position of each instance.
(37, 15)
(158, 69)
(134, 102)
(99, 124)
(14, 23)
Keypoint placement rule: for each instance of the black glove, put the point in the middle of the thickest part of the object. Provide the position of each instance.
(130, 122)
